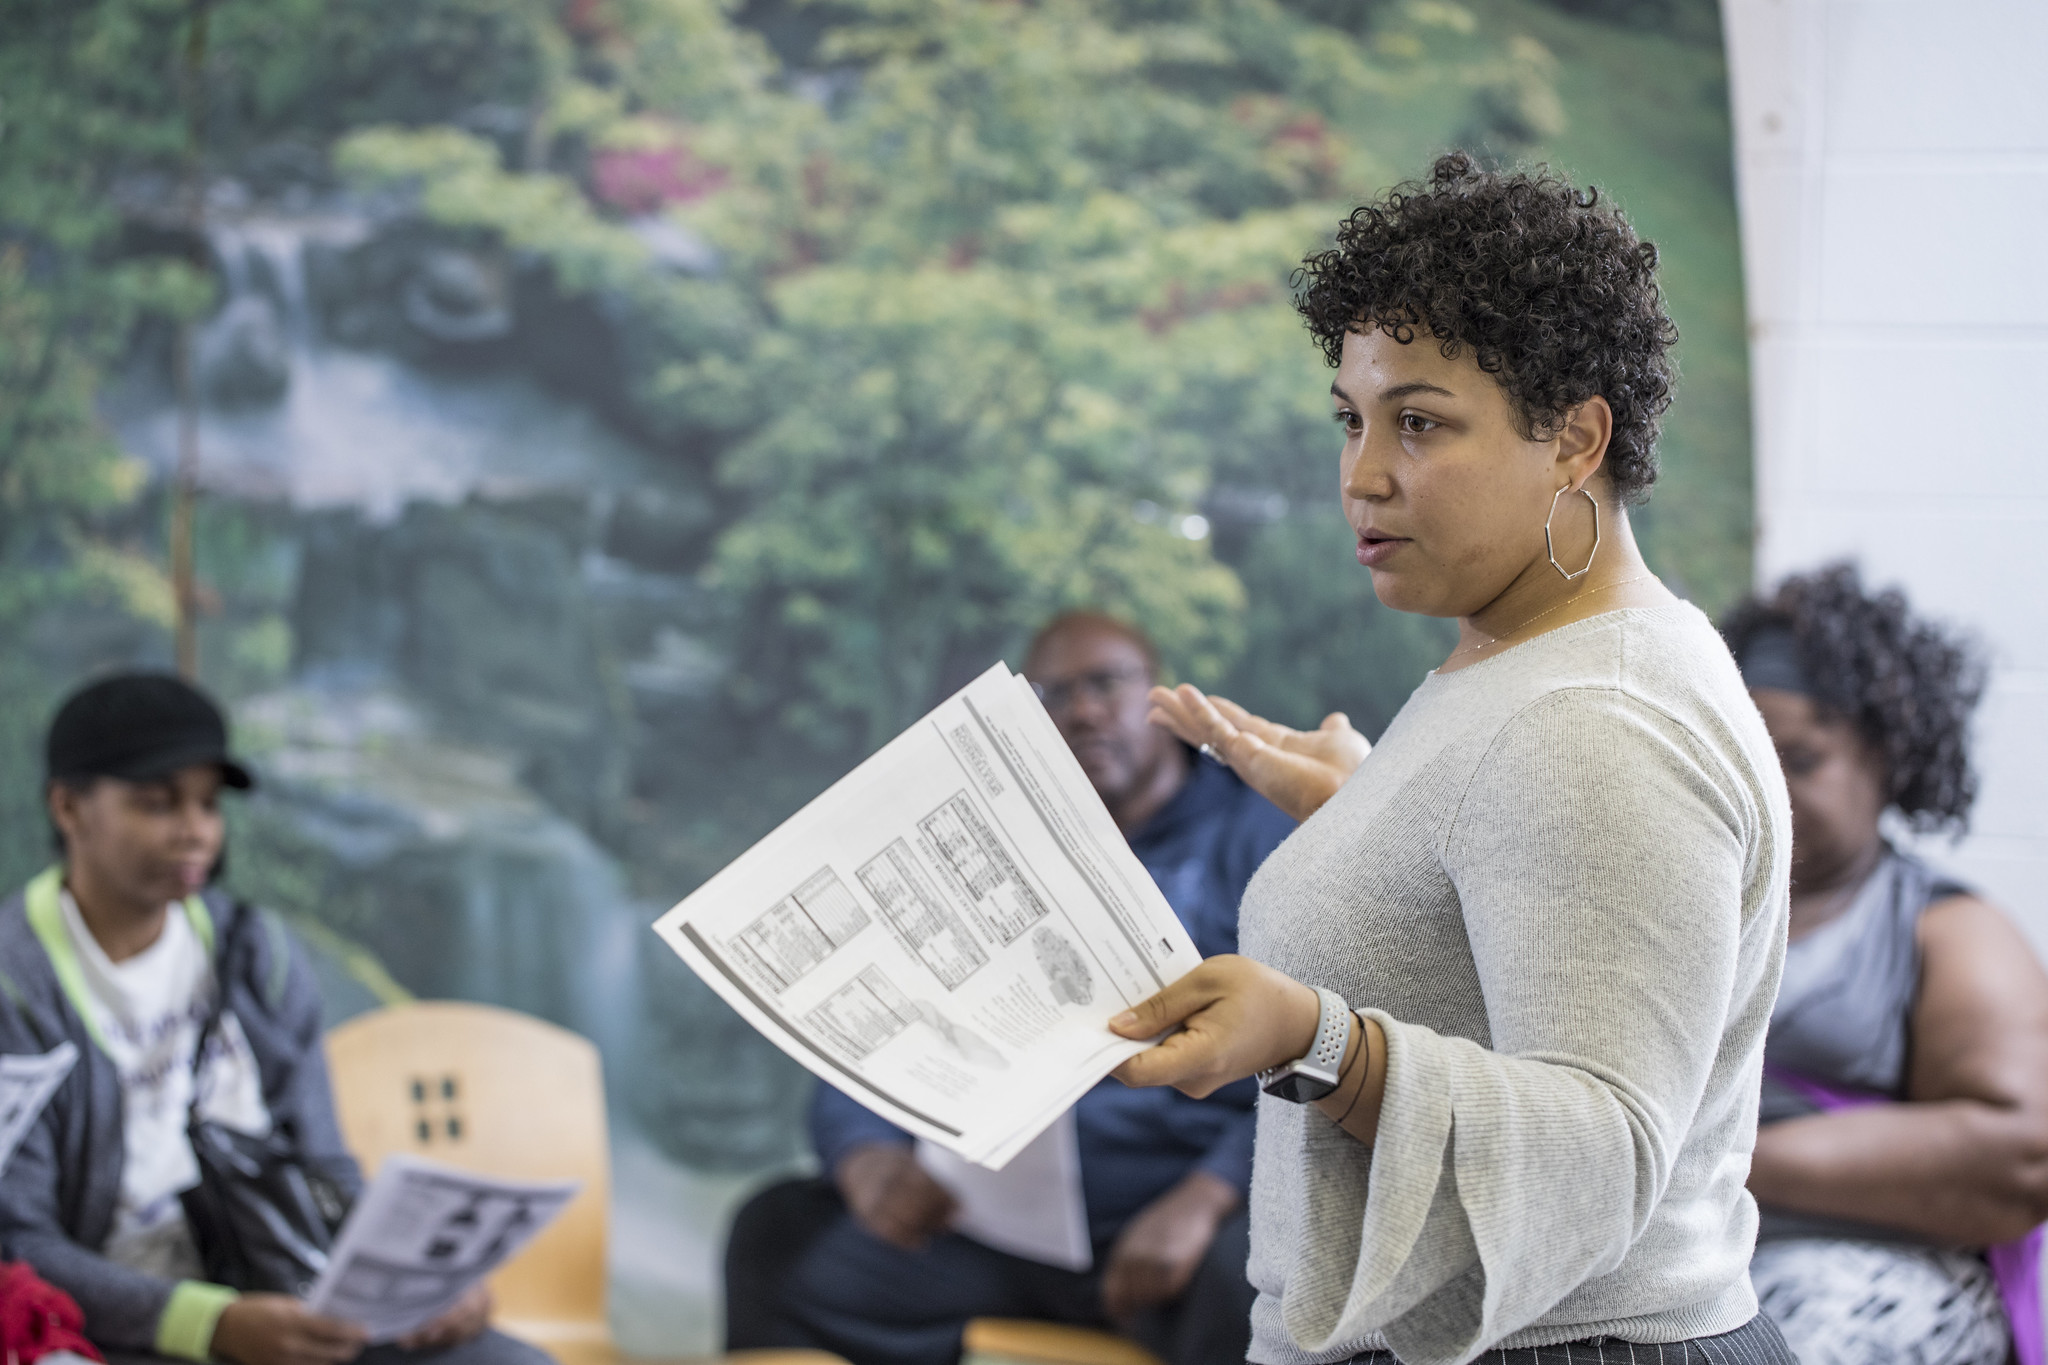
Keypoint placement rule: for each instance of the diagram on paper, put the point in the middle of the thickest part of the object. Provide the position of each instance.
(421, 1236)
(799, 931)
(863, 1014)
(869, 1010)
(1001, 899)
(929, 927)
(1065, 970)
(447, 1252)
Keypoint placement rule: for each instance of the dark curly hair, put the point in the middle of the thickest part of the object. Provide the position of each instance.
(1908, 685)
(1552, 291)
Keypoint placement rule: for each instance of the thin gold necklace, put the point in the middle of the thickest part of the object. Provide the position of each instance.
(1558, 606)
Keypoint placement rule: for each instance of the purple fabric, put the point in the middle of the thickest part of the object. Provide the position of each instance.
(2016, 1266)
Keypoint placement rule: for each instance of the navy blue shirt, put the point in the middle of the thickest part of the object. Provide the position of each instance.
(1201, 848)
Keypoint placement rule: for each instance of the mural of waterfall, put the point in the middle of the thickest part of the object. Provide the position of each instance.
(614, 420)
(471, 654)
(294, 417)
(484, 590)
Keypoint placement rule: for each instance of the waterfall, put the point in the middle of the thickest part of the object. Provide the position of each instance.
(281, 245)
(291, 415)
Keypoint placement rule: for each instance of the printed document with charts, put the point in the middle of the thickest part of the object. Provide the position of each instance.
(946, 932)
(421, 1235)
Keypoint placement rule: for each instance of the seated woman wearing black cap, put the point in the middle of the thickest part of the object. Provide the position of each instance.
(1890, 1230)
(113, 950)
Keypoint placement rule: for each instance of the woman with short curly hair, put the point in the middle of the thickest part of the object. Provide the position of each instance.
(1507, 986)
(1905, 1101)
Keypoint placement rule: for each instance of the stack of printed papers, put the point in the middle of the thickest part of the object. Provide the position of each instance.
(421, 1235)
(945, 933)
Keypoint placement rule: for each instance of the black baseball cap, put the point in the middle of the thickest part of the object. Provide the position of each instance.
(139, 726)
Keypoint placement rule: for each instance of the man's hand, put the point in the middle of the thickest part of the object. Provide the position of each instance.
(1297, 770)
(891, 1195)
(1236, 1016)
(1160, 1250)
(277, 1329)
(464, 1322)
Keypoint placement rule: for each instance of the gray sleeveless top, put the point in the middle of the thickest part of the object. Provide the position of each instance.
(1844, 1010)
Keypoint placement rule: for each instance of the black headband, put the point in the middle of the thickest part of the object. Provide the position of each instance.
(1770, 658)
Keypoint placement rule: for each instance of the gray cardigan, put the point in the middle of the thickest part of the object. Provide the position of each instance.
(58, 1193)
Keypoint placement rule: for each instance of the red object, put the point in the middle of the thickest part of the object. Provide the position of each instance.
(37, 1318)
(645, 180)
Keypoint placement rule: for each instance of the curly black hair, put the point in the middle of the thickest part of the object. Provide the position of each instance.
(1909, 685)
(1553, 292)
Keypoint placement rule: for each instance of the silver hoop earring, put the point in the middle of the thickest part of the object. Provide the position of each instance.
(1550, 549)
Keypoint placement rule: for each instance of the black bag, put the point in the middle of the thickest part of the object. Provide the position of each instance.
(262, 1217)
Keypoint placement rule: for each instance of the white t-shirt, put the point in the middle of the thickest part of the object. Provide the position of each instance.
(149, 1010)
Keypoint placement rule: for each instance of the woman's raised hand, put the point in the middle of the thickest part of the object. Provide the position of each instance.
(1297, 770)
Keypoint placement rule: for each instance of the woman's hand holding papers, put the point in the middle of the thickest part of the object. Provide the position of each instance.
(893, 1196)
(1297, 770)
(277, 1329)
(464, 1322)
(1234, 1017)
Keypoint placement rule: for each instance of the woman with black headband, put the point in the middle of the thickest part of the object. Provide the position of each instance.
(1902, 1168)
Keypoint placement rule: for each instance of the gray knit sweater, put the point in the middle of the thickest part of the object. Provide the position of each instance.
(1559, 884)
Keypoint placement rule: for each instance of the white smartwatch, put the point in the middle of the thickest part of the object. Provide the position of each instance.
(1315, 1073)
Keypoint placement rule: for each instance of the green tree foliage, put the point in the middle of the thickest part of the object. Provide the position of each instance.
(87, 96)
(96, 140)
(1003, 317)
(109, 110)
(308, 70)
(1000, 319)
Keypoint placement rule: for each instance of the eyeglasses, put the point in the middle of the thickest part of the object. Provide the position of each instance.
(1105, 686)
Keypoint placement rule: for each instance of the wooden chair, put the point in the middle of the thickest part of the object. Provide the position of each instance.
(502, 1093)
(1018, 1341)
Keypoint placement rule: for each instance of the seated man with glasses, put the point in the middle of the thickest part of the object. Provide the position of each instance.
(861, 1262)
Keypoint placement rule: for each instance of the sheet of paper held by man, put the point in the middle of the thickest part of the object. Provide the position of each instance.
(26, 1084)
(945, 933)
(420, 1236)
(1033, 1207)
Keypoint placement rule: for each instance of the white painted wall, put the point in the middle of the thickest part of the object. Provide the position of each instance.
(1892, 167)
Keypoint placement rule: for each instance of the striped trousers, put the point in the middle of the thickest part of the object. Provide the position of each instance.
(1756, 1342)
